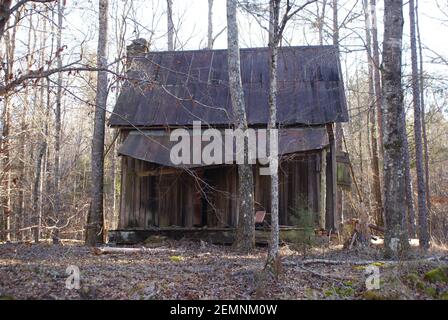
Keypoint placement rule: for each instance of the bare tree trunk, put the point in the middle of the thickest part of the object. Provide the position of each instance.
(321, 20)
(375, 87)
(335, 23)
(339, 129)
(57, 125)
(120, 30)
(422, 104)
(377, 204)
(363, 231)
(10, 41)
(273, 261)
(410, 223)
(375, 159)
(6, 169)
(378, 208)
(377, 80)
(210, 25)
(245, 235)
(396, 238)
(170, 24)
(22, 144)
(36, 218)
(36, 188)
(46, 181)
(416, 98)
(94, 229)
(36, 100)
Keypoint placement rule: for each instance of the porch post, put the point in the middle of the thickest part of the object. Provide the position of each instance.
(332, 219)
(322, 188)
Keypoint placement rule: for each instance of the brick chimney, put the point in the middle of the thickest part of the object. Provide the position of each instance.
(138, 48)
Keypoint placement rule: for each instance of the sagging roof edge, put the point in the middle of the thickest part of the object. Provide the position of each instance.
(154, 146)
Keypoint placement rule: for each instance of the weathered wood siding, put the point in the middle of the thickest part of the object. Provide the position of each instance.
(209, 196)
(299, 178)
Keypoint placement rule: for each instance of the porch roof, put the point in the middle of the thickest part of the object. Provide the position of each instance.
(154, 146)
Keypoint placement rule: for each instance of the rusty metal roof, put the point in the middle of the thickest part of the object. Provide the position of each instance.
(155, 146)
(176, 88)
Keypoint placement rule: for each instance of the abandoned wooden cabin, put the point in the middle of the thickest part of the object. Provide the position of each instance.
(169, 90)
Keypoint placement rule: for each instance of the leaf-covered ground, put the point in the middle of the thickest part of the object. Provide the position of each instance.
(186, 270)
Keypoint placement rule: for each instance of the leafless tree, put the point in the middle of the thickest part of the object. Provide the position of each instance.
(211, 38)
(378, 100)
(423, 108)
(57, 138)
(170, 24)
(416, 99)
(94, 229)
(210, 25)
(377, 206)
(276, 29)
(6, 10)
(245, 236)
(41, 149)
(5, 178)
(273, 260)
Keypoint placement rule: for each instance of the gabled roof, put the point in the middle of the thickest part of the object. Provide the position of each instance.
(178, 87)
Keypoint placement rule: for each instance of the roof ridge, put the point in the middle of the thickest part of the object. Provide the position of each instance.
(245, 49)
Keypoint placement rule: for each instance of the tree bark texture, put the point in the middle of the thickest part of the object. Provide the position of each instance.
(396, 238)
(94, 230)
(416, 100)
(245, 235)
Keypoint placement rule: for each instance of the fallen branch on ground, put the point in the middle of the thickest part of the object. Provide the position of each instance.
(325, 275)
(360, 262)
(111, 250)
